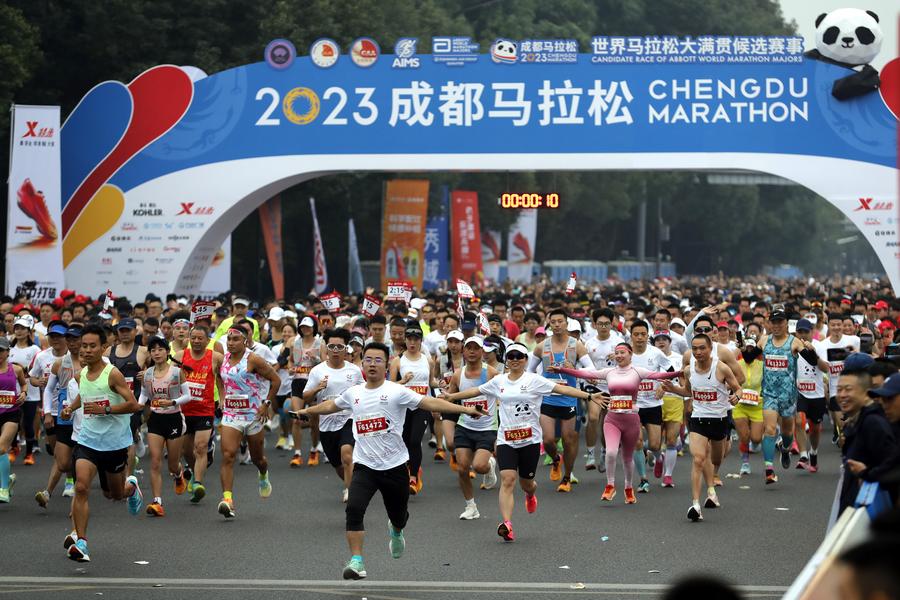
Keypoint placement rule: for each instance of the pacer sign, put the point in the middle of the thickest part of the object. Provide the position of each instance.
(135, 154)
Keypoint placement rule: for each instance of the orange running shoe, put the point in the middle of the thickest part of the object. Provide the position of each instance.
(556, 470)
(629, 496)
(313, 458)
(452, 462)
(33, 204)
(29, 459)
(439, 455)
(180, 485)
(14, 454)
(419, 481)
(608, 493)
(413, 486)
(471, 474)
(565, 486)
(531, 502)
(155, 509)
(297, 461)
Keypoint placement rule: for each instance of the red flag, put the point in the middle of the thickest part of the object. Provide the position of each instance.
(570, 287)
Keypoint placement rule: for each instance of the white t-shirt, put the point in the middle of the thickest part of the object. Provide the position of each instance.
(433, 342)
(339, 380)
(653, 360)
(285, 388)
(850, 343)
(520, 407)
(811, 379)
(265, 353)
(598, 350)
(378, 417)
(24, 357)
(40, 367)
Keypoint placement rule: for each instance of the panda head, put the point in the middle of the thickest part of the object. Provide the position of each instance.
(849, 35)
(504, 51)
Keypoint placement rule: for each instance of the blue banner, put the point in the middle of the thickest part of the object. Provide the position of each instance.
(437, 246)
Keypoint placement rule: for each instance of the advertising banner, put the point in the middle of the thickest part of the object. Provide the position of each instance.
(403, 231)
(218, 277)
(34, 264)
(520, 246)
(491, 242)
(270, 220)
(354, 267)
(319, 268)
(437, 246)
(465, 232)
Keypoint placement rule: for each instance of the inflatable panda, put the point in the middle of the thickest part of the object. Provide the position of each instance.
(851, 38)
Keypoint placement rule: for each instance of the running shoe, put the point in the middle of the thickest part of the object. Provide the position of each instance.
(211, 452)
(574, 480)
(785, 455)
(136, 499)
(453, 464)
(4, 495)
(771, 477)
(802, 463)
(555, 469)
(245, 456)
(547, 460)
(226, 508)
(13, 453)
(140, 448)
(355, 569)
(490, 478)
(717, 481)
(601, 464)
(745, 468)
(29, 460)
(42, 498)
(281, 444)
(658, 467)
(70, 539)
(297, 461)
(432, 441)
(397, 543)
(439, 455)
(180, 485)
(505, 531)
(155, 509)
(79, 551)
(591, 463)
(565, 486)
(420, 481)
(559, 447)
(198, 493)
(795, 450)
(413, 486)
(630, 498)
(813, 463)
(644, 487)
(12, 484)
(265, 486)
(531, 502)
(313, 458)
(471, 512)
(667, 482)
(472, 474)
(609, 492)
(754, 448)
(345, 495)
(694, 513)
(188, 476)
(712, 501)
(835, 437)
(69, 489)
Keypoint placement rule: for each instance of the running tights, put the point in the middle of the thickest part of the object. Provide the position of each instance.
(621, 428)
(29, 410)
(413, 430)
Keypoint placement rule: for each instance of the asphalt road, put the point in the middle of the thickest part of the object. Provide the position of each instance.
(292, 544)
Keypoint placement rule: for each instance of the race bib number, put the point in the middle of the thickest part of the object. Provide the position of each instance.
(835, 368)
(646, 386)
(705, 395)
(481, 403)
(419, 389)
(806, 386)
(101, 401)
(196, 389)
(750, 398)
(303, 370)
(621, 404)
(7, 398)
(129, 381)
(237, 402)
(158, 402)
(371, 425)
(518, 434)
(776, 362)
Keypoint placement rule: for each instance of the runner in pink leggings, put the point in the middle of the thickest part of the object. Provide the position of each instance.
(622, 423)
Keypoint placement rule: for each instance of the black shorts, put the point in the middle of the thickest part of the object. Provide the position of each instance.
(136, 420)
(523, 459)
(651, 415)
(713, 429)
(106, 461)
(333, 441)
(474, 440)
(281, 400)
(813, 408)
(12, 416)
(562, 413)
(194, 424)
(297, 387)
(63, 433)
(833, 405)
(450, 417)
(170, 426)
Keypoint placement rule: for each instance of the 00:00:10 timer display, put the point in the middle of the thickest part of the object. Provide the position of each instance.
(529, 201)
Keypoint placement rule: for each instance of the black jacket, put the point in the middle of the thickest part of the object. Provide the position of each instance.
(870, 440)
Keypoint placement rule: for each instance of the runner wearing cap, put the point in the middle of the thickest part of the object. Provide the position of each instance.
(306, 353)
(601, 349)
(474, 438)
(22, 352)
(748, 412)
(129, 358)
(779, 390)
(672, 410)
(445, 365)
(379, 408)
(812, 377)
(239, 307)
(560, 350)
(494, 348)
(106, 403)
(13, 395)
(413, 369)
(42, 377)
(244, 412)
(519, 394)
(327, 381)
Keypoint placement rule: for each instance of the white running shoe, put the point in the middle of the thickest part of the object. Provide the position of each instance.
(319, 447)
(245, 457)
(470, 513)
(345, 495)
(590, 463)
(490, 478)
(140, 449)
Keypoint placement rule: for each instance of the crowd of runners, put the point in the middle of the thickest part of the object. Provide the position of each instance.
(634, 375)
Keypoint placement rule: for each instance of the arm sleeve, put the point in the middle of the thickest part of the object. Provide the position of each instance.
(582, 373)
(585, 362)
(49, 390)
(185, 395)
(533, 363)
(36, 369)
(143, 399)
(645, 374)
(689, 330)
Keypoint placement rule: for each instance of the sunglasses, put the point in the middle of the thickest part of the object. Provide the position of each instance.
(373, 361)
(703, 329)
(515, 356)
(336, 347)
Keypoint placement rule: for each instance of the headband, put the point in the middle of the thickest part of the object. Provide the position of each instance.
(177, 321)
(238, 330)
(625, 345)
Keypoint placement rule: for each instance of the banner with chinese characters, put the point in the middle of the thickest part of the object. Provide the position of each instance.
(403, 230)
(491, 242)
(520, 246)
(465, 233)
(34, 263)
(437, 246)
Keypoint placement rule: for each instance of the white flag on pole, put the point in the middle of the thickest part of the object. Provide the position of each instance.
(319, 268)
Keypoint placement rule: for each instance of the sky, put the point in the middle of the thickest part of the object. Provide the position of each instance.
(804, 12)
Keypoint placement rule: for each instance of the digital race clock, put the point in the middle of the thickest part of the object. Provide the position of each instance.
(529, 201)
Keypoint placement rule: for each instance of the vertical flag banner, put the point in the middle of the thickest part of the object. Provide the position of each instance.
(319, 268)
(218, 277)
(403, 231)
(465, 232)
(520, 246)
(437, 246)
(354, 268)
(270, 219)
(34, 264)
(490, 254)
(570, 286)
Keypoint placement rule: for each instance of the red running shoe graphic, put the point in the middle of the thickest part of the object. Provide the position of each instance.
(522, 244)
(33, 204)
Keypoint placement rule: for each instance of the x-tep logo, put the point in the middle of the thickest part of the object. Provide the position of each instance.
(33, 131)
(868, 204)
(188, 208)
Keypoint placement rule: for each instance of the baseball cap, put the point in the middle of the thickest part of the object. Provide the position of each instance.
(475, 339)
(856, 362)
(722, 325)
(804, 325)
(890, 388)
(240, 300)
(887, 324)
(573, 325)
(74, 331)
(468, 324)
(517, 347)
(126, 323)
(662, 333)
(57, 329)
(413, 332)
(418, 303)
(456, 334)
(182, 301)
(357, 340)
(778, 315)
(290, 314)
(881, 305)
(540, 331)
(66, 294)
(26, 321)
(677, 321)
(4, 342)
(308, 321)
(276, 313)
